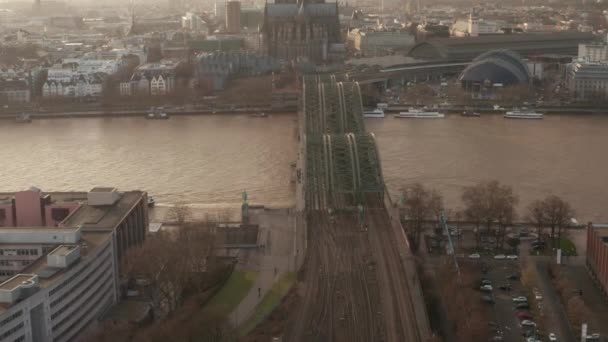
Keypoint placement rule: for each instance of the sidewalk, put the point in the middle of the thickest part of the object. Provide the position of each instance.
(272, 260)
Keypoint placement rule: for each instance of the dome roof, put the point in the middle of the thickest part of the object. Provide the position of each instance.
(497, 66)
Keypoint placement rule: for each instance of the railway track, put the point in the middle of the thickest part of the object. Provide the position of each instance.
(340, 301)
(400, 314)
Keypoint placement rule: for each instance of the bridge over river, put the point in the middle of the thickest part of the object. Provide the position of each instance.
(359, 280)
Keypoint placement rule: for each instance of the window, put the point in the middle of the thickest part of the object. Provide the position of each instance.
(59, 214)
(2, 214)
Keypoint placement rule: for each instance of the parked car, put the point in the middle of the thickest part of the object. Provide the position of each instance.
(512, 257)
(474, 256)
(513, 277)
(537, 294)
(593, 337)
(499, 257)
(522, 306)
(486, 288)
(497, 338)
(552, 337)
(486, 282)
(488, 299)
(522, 315)
(520, 299)
(527, 323)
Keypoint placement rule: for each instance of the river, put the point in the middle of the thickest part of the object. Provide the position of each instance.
(209, 160)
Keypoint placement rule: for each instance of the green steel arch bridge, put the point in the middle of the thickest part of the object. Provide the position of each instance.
(343, 164)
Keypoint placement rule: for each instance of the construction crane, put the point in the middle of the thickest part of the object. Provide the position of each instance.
(449, 249)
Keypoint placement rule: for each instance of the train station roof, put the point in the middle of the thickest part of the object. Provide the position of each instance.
(526, 44)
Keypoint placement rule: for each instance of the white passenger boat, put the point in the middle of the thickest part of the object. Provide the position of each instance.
(524, 113)
(424, 113)
(375, 113)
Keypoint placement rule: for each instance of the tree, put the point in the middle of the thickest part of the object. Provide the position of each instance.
(558, 214)
(179, 214)
(171, 263)
(490, 203)
(536, 215)
(421, 204)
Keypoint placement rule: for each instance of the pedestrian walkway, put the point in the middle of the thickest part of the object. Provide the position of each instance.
(274, 258)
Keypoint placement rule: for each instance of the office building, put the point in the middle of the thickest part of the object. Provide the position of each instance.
(587, 80)
(597, 254)
(59, 258)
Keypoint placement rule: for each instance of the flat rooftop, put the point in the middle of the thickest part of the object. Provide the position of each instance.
(89, 242)
(15, 281)
(103, 217)
(63, 250)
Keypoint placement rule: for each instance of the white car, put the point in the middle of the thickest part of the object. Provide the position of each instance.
(593, 337)
(486, 288)
(552, 337)
(474, 256)
(499, 257)
(512, 257)
(520, 299)
(527, 323)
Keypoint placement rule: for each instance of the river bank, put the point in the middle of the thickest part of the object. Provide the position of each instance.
(143, 112)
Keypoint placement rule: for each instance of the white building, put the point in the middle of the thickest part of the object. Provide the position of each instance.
(158, 86)
(78, 86)
(587, 81)
(593, 52)
(64, 278)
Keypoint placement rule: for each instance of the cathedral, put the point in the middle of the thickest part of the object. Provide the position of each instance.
(300, 30)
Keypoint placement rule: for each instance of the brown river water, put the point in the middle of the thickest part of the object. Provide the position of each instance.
(209, 160)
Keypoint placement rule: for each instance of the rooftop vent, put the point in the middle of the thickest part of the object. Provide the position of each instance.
(102, 196)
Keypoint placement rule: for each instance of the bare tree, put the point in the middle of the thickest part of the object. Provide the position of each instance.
(180, 214)
(170, 263)
(490, 203)
(421, 205)
(536, 215)
(558, 214)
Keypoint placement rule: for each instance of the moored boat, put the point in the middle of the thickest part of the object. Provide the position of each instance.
(375, 113)
(415, 113)
(157, 114)
(468, 112)
(23, 118)
(524, 113)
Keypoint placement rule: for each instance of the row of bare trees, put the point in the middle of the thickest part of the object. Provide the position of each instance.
(171, 263)
(489, 205)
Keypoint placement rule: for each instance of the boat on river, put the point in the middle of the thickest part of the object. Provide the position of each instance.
(374, 113)
(157, 114)
(523, 113)
(23, 118)
(470, 113)
(416, 113)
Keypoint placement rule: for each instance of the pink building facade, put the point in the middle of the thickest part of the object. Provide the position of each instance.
(597, 254)
(32, 208)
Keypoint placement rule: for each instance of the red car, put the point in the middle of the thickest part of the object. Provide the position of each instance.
(523, 315)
